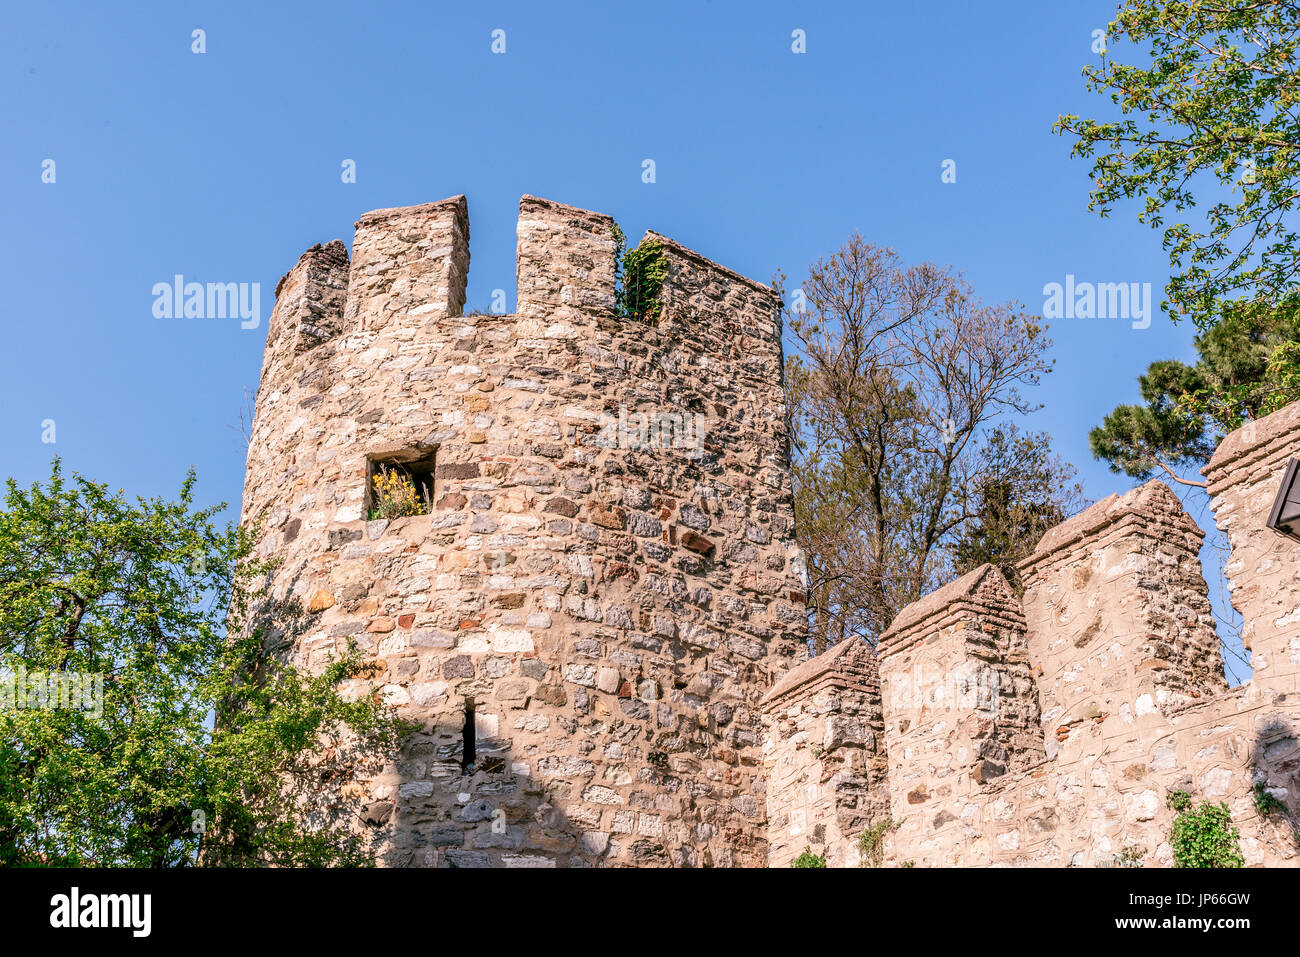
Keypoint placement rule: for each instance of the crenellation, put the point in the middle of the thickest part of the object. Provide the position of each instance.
(409, 265)
(823, 756)
(1117, 649)
(607, 576)
(733, 317)
(310, 300)
(1243, 478)
(959, 704)
(301, 333)
(564, 265)
(1121, 624)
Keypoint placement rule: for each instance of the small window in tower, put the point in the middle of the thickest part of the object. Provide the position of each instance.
(400, 484)
(468, 744)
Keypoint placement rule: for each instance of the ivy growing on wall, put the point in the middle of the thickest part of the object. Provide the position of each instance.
(639, 275)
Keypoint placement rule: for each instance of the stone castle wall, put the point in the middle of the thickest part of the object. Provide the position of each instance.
(615, 624)
(1050, 730)
(610, 613)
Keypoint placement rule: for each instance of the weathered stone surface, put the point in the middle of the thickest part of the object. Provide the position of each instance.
(320, 601)
(824, 786)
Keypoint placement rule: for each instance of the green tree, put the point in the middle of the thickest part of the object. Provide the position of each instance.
(203, 747)
(1211, 108)
(1020, 492)
(903, 389)
(1247, 366)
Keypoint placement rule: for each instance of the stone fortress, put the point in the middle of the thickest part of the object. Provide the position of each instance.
(583, 628)
(603, 641)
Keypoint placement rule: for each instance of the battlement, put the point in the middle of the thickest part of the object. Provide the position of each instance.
(597, 619)
(599, 584)
(340, 326)
(1048, 729)
(824, 755)
(565, 266)
(411, 265)
(1119, 617)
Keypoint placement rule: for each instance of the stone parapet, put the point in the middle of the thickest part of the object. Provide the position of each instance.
(1114, 643)
(1119, 618)
(823, 756)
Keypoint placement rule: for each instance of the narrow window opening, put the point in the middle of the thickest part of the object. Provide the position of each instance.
(400, 484)
(468, 746)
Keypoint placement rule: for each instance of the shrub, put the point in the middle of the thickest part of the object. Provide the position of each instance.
(1205, 836)
(1265, 802)
(809, 859)
(871, 842)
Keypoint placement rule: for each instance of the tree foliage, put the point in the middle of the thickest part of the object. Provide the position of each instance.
(1020, 492)
(204, 747)
(1247, 366)
(1210, 109)
(907, 465)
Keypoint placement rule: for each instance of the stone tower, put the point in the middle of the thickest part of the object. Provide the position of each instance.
(605, 582)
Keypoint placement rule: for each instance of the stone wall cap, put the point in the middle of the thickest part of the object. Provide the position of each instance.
(531, 204)
(972, 588)
(1252, 436)
(332, 253)
(456, 204)
(837, 660)
(674, 246)
(1147, 501)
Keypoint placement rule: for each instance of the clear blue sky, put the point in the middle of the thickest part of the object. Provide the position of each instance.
(225, 166)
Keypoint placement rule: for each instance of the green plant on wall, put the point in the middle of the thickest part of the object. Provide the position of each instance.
(871, 842)
(639, 276)
(808, 859)
(1130, 857)
(1203, 836)
(1265, 802)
